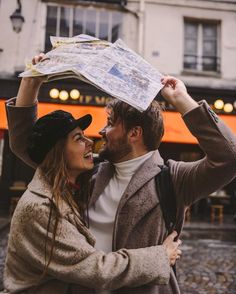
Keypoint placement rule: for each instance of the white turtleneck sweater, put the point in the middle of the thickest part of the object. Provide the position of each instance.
(102, 214)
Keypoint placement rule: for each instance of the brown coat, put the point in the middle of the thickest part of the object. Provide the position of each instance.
(139, 221)
(75, 261)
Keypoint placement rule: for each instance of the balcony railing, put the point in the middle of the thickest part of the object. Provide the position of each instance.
(117, 2)
(202, 63)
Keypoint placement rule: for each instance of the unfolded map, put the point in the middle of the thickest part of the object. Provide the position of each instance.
(113, 68)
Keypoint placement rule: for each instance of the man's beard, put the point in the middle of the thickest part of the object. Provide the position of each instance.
(120, 150)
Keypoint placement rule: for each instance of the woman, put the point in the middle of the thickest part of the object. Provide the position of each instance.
(50, 248)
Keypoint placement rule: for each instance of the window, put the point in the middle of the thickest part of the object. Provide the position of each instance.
(68, 21)
(201, 46)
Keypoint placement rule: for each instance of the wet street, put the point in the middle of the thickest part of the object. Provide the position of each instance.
(208, 267)
(208, 264)
(3, 246)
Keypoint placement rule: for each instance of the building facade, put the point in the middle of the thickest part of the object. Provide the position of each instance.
(190, 39)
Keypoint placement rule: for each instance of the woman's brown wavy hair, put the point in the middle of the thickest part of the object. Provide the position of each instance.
(55, 172)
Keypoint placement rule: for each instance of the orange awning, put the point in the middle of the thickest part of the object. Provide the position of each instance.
(98, 113)
(175, 129)
(177, 132)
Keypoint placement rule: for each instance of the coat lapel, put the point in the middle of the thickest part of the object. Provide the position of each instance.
(135, 205)
(145, 173)
(40, 187)
(102, 178)
(148, 170)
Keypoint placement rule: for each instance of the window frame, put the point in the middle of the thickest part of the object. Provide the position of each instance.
(199, 57)
(84, 9)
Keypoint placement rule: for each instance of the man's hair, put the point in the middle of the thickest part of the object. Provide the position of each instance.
(150, 120)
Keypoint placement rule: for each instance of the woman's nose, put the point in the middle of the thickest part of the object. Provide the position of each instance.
(89, 141)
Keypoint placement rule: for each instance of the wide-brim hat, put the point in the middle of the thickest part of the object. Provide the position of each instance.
(49, 129)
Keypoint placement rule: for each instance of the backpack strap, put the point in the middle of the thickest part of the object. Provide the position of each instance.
(165, 189)
(164, 186)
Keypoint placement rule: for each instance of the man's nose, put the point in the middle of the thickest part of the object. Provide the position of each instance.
(102, 131)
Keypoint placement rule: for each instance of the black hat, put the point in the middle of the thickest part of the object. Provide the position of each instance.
(49, 129)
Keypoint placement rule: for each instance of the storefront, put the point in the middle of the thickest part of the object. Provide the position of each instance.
(178, 143)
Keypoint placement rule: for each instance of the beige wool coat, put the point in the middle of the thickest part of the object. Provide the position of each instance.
(75, 261)
(139, 221)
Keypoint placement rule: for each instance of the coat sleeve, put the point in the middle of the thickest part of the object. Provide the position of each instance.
(75, 261)
(20, 123)
(194, 180)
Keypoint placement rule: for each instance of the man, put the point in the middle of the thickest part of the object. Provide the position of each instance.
(125, 210)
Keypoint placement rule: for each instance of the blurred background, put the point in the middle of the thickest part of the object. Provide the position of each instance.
(194, 40)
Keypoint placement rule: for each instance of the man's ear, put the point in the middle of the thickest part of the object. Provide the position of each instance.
(135, 134)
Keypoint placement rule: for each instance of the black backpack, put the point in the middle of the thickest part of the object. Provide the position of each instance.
(167, 199)
(166, 195)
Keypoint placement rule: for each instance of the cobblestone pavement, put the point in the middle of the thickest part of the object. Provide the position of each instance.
(208, 266)
(3, 247)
